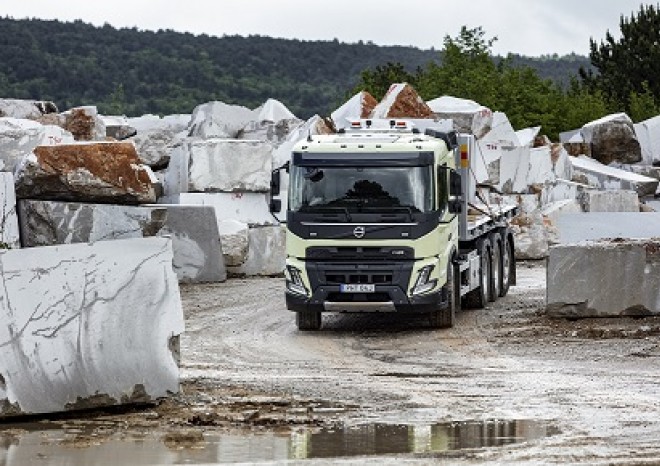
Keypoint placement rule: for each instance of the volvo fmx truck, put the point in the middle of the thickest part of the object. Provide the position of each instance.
(385, 216)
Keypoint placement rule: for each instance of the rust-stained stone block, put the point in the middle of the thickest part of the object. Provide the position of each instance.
(91, 172)
(607, 278)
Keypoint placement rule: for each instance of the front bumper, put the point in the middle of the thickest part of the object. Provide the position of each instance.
(387, 298)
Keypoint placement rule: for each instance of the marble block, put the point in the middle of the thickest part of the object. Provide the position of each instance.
(88, 325)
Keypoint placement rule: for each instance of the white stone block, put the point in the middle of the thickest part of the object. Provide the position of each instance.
(591, 226)
(604, 279)
(527, 136)
(610, 178)
(249, 208)
(514, 170)
(18, 138)
(553, 211)
(359, 106)
(9, 229)
(541, 168)
(193, 229)
(88, 325)
(609, 201)
(25, 109)
(266, 254)
(219, 120)
(235, 239)
(468, 116)
(648, 134)
(219, 165)
(560, 190)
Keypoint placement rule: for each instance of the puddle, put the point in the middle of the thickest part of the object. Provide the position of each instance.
(75, 446)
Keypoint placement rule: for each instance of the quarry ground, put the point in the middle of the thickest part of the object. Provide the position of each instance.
(584, 391)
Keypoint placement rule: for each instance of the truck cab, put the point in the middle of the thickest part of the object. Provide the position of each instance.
(373, 224)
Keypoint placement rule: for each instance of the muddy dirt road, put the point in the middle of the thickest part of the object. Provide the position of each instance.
(506, 385)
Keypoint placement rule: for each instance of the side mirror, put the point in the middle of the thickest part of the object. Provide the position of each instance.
(275, 206)
(275, 183)
(455, 185)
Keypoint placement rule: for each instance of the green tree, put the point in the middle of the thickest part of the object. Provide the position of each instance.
(379, 80)
(628, 68)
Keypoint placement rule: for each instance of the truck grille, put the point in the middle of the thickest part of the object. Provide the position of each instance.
(360, 254)
(353, 278)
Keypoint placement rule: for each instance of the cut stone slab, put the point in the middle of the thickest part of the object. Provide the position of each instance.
(266, 253)
(235, 239)
(193, 229)
(88, 325)
(219, 120)
(604, 279)
(610, 178)
(402, 101)
(468, 116)
(357, 107)
(9, 228)
(219, 165)
(609, 201)
(117, 127)
(249, 208)
(19, 138)
(613, 139)
(100, 172)
(648, 134)
(274, 122)
(527, 136)
(591, 226)
(26, 109)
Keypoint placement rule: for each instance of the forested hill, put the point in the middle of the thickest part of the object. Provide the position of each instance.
(133, 72)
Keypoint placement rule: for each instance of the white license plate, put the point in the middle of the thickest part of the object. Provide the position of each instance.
(362, 288)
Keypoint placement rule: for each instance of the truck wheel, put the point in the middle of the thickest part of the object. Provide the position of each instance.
(495, 267)
(444, 318)
(308, 320)
(478, 298)
(508, 265)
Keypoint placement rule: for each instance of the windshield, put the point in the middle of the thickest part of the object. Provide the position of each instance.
(364, 189)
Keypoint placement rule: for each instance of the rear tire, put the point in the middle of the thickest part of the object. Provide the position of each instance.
(444, 318)
(308, 320)
(508, 265)
(495, 267)
(478, 298)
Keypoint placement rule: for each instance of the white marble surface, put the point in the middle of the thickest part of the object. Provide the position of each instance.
(606, 177)
(9, 229)
(603, 279)
(220, 165)
(648, 134)
(88, 324)
(219, 120)
(193, 229)
(249, 208)
(266, 253)
(18, 138)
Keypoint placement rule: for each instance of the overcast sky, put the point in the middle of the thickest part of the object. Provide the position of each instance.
(528, 27)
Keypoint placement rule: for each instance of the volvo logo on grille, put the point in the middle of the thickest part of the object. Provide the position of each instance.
(359, 232)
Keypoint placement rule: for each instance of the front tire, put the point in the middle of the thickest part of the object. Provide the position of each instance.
(308, 320)
(445, 317)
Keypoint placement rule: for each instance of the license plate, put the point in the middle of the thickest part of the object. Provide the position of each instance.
(361, 288)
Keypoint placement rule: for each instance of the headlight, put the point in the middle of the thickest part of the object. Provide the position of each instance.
(423, 284)
(296, 284)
